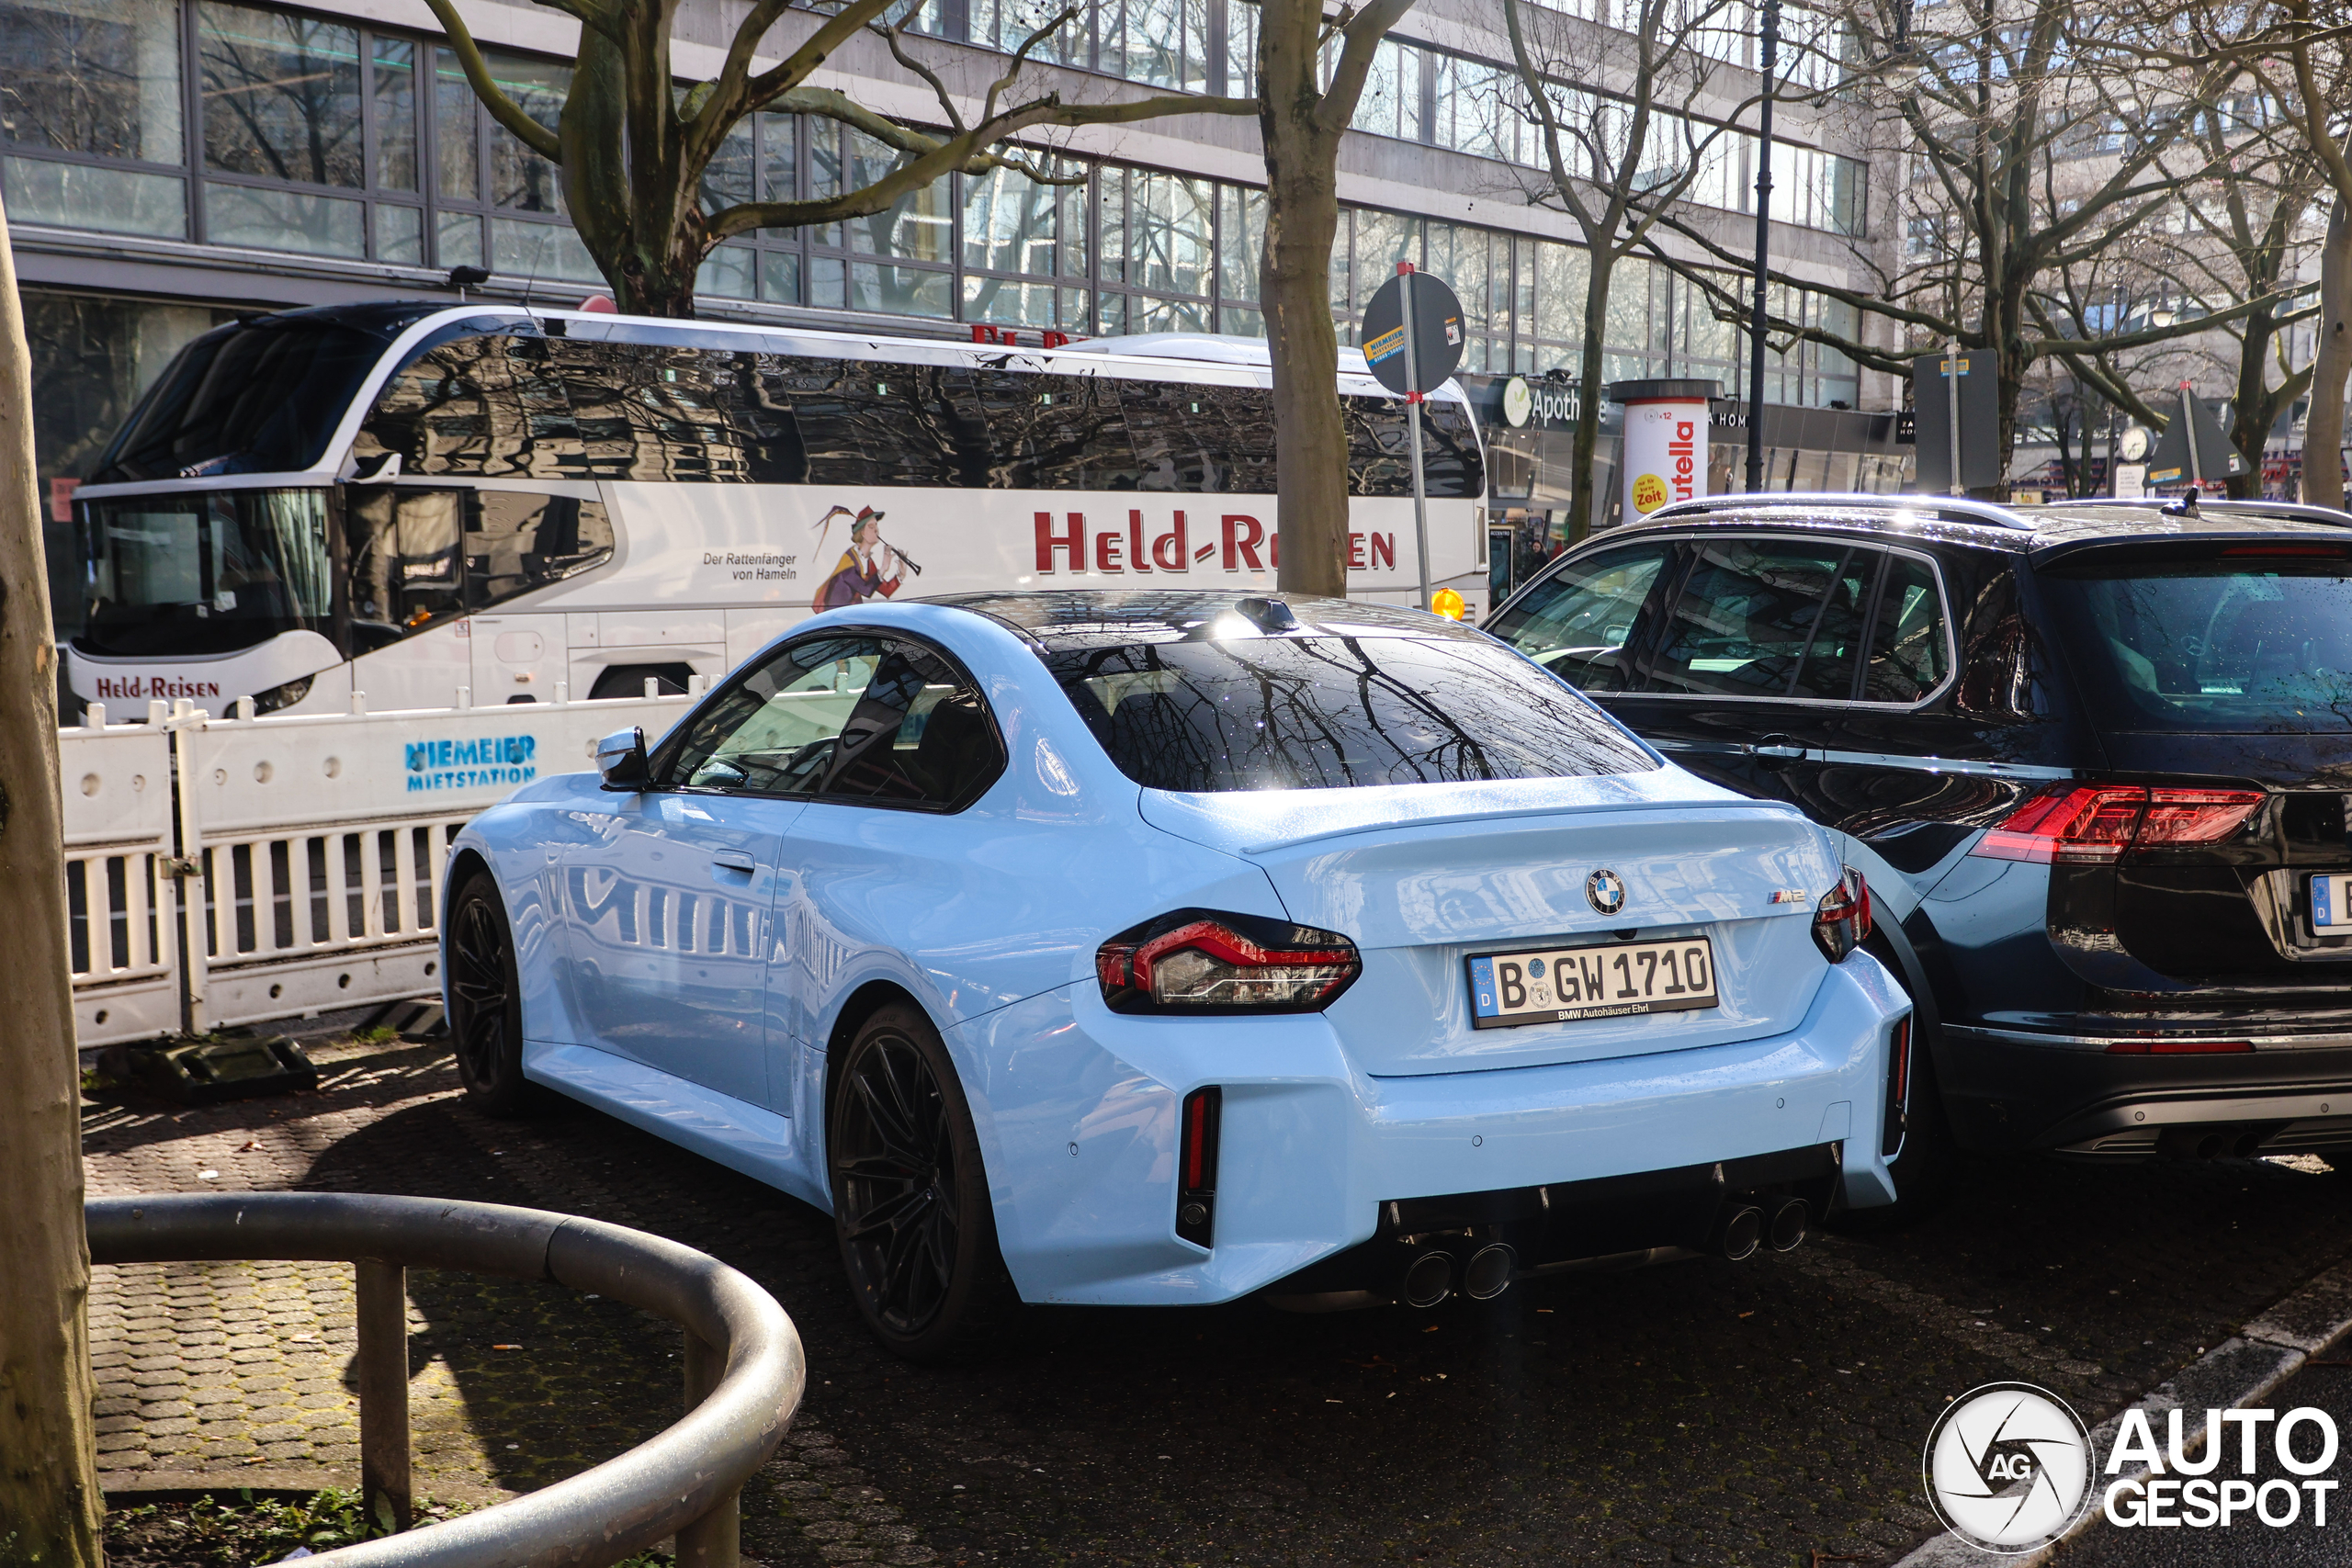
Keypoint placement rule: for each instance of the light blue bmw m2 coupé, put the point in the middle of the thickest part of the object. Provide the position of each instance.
(1156, 948)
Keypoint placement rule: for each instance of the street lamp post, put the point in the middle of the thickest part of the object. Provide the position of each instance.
(1769, 61)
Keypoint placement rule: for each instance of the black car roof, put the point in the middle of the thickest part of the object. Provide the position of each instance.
(1090, 617)
(2035, 530)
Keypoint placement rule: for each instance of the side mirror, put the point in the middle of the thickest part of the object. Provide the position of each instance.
(620, 758)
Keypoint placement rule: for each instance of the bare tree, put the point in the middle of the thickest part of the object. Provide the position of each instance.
(633, 150)
(2318, 100)
(49, 1490)
(1303, 119)
(2034, 143)
(1617, 164)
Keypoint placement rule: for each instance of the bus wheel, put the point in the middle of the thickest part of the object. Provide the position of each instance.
(628, 681)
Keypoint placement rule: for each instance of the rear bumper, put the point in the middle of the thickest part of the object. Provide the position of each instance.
(1078, 1112)
(2014, 1090)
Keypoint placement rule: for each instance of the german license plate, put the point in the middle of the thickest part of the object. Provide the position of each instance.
(1560, 984)
(2330, 902)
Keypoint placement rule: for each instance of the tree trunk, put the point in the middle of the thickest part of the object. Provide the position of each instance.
(49, 1495)
(2323, 432)
(1302, 219)
(1584, 504)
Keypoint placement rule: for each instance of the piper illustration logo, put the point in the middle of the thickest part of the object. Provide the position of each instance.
(472, 762)
(2008, 1467)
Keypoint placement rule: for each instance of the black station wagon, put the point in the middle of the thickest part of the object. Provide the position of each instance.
(2095, 761)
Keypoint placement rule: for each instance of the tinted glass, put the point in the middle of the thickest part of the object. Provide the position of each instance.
(259, 397)
(1746, 616)
(1328, 712)
(198, 573)
(493, 403)
(1827, 672)
(1578, 622)
(2255, 646)
(417, 554)
(855, 717)
(1909, 652)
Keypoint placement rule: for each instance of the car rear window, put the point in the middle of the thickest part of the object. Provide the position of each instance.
(1203, 716)
(2254, 640)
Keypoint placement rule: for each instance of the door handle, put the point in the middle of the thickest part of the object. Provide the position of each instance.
(734, 859)
(1778, 749)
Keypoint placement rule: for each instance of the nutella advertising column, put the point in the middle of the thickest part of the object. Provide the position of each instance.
(1666, 442)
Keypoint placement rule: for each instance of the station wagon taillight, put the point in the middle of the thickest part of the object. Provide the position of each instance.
(2096, 823)
(1199, 961)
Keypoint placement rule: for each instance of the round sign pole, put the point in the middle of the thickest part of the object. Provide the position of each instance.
(1413, 423)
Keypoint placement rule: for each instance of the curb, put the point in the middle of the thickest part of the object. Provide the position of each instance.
(2242, 1369)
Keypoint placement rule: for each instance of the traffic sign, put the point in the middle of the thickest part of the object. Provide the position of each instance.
(2173, 462)
(1437, 336)
(1933, 377)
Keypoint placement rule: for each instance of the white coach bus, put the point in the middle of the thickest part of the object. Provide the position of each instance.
(432, 505)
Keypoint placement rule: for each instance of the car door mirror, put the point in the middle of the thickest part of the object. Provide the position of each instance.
(620, 758)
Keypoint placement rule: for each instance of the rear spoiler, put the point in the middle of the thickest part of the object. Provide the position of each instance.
(2196, 506)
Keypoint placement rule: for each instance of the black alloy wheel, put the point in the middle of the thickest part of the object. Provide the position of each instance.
(910, 1198)
(485, 1000)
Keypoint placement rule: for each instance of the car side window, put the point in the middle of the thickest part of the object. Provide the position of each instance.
(1578, 622)
(1746, 616)
(1909, 654)
(1827, 672)
(846, 717)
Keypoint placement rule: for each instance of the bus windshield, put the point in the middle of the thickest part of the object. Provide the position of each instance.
(258, 396)
(194, 573)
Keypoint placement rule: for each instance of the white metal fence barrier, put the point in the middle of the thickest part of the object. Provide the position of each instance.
(226, 871)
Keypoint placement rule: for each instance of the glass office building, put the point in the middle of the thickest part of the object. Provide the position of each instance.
(168, 163)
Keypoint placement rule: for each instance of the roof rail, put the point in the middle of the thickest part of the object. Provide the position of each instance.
(2283, 510)
(1941, 508)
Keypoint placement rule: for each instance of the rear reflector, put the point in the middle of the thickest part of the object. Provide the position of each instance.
(1196, 1154)
(1898, 1088)
(2179, 1047)
(2096, 823)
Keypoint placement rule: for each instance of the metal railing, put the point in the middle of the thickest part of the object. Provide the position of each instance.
(744, 1372)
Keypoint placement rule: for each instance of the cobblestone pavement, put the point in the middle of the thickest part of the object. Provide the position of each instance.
(1703, 1412)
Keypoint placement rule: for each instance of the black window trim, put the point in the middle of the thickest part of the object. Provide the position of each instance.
(666, 753)
(1879, 542)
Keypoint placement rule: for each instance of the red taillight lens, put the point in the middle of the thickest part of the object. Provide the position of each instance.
(1841, 922)
(1196, 1161)
(1201, 960)
(1898, 1088)
(2180, 1047)
(2096, 823)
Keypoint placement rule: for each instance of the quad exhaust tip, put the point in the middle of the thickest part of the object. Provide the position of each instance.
(1429, 1279)
(1789, 1225)
(1490, 1272)
(1740, 1232)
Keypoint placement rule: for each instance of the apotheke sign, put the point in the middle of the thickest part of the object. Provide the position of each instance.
(1527, 402)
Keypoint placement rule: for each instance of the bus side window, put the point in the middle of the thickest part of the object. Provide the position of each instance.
(1056, 433)
(1200, 439)
(1380, 454)
(407, 563)
(516, 541)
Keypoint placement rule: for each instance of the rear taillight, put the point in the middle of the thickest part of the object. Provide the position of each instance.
(1196, 1163)
(2096, 823)
(1197, 960)
(1898, 1088)
(1841, 922)
(2180, 1047)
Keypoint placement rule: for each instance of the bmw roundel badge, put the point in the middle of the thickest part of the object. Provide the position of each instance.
(1605, 891)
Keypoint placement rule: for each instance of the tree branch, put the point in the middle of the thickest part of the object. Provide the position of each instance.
(503, 110)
